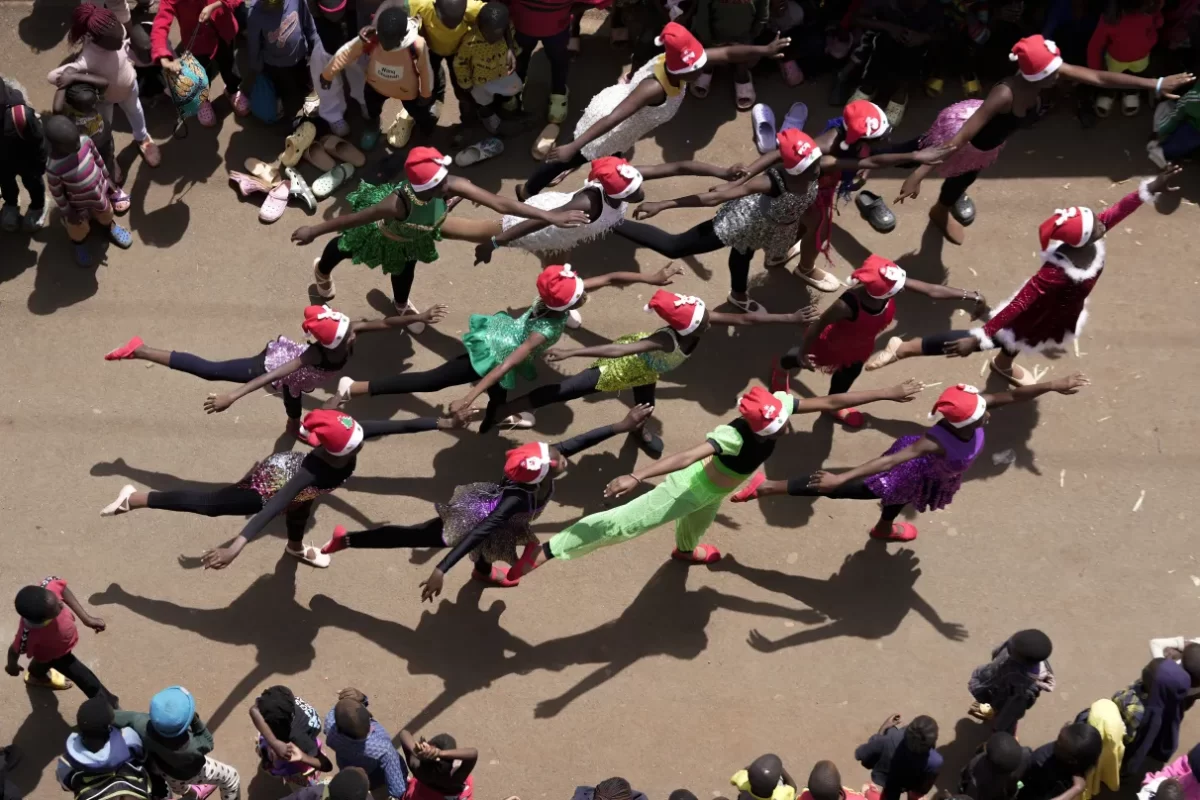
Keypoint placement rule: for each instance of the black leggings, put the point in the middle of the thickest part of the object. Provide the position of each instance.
(554, 47)
(547, 171)
(236, 370)
(841, 380)
(935, 343)
(581, 385)
(402, 282)
(228, 501)
(692, 242)
(457, 372)
(428, 534)
(856, 489)
(224, 63)
(77, 672)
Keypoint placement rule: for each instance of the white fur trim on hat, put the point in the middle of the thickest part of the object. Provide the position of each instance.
(697, 312)
(785, 411)
(1050, 69)
(342, 330)
(980, 409)
(438, 177)
(806, 163)
(567, 272)
(897, 276)
(697, 64)
(356, 439)
(541, 462)
(631, 174)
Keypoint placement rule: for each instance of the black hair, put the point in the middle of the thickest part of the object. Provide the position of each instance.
(277, 706)
(764, 774)
(81, 96)
(443, 741)
(349, 784)
(352, 718)
(94, 717)
(678, 794)
(1004, 752)
(493, 16)
(1191, 662)
(37, 603)
(1078, 747)
(921, 734)
(392, 24)
(1031, 646)
(1169, 789)
(613, 789)
(825, 782)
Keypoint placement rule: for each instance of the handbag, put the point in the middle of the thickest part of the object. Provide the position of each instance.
(264, 102)
(188, 88)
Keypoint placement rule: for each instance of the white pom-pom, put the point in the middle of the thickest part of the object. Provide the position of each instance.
(1012, 56)
(658, 41)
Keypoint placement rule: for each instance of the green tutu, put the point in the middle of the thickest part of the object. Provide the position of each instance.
(368, 245)
(490, 340)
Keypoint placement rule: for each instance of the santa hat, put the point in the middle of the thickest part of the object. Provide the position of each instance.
(615, 177)
(559, 287)
(960, 405)
(684, 51)
(798, 149)
(1070, 226)
(1036, 57)
(681, 311)
(336, 432)
(880, 277)
(529, 463)
(425, 168)
(327, 326)
(863, 120)
(766, 412)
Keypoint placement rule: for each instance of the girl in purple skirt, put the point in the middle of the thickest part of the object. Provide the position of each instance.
(923, 471)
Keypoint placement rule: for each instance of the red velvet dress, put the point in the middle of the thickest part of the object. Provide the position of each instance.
(851, 341)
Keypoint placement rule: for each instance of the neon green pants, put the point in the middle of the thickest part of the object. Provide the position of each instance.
(687, 497)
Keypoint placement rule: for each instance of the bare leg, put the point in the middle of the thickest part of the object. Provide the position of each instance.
(808, 247)
(153, 354)
(953, 230)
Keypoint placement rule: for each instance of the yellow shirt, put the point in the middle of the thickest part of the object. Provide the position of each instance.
(1105, 717)
(479, 61)
(441, 39)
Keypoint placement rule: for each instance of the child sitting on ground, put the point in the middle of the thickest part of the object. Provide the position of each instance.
(102, 761)
(288, 745)
(484, 64)
(440, 768)
(80, 186)
(1122, 42)
(825, 783)
(764, 779)
(22, 155)
(1008, 686)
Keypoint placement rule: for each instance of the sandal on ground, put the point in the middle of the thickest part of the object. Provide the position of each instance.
(342, 150)
(336, 543)
(780, 378)
(1103, 105)
(119, 236)
(900, 532)
(480, 151)
(517, 422)
(298, 189)
(205, 115)
(275, 204)
(300, 140)
(963, 210)
(749, 305)
(121, 504)
(125, 351)
(317, 156)
(557, 112)
(544, 142)
(650, 443)
(120, 201)
(762, 118)
(1018, 377)
(828, 283)
(850, 417)
(795, 118)
(247, 185)
(409, 308)
(971, 86)
(150, 152)
(750, 490)
(885, 356)
(497, 577)
(240, 102)
(331, 181)
(267, 173)
(701, 86)
(791, 72)
(874, 210)
(310, 555)
(895, 113)
(1131, 104)
(744, 95)
(398, 134)
(54, 680)
(324, 283)
(935, 86)
(711, 555)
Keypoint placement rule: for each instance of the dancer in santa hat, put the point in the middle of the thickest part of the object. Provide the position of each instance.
(976, 130)
(923, 471)
(499, 348)
(290, 368)
(396, 225)
(844, 337)
(697, 480)
(617, 117)
(1051, 307)
(639, 360)
(283, 483)
(489, 522)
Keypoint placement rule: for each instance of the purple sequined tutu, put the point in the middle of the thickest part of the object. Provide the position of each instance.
(967, 158)
(469, 505)
(272, 473)
(929, 481)
(282, 350)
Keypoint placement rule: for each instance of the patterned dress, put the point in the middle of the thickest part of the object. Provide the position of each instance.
(393, 244)
(492, 339)
(621, 138)
(272, 473)
(639, 369)
(550, 239)
(304, 380)
(764, 222)
(929, 481)
(471, 503)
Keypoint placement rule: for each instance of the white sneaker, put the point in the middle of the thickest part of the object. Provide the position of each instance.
(343, 392)
(409, 308)
(574, 319)
(121, 504)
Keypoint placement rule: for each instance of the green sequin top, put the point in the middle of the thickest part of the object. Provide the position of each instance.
(394, 243)
(638, 369)
(492, 339)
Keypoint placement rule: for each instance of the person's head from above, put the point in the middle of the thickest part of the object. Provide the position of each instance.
(682, 794)
(440, 766)
(352, 719)
(880, 278)
(760, 779)
(1168, 789)
(328, 328)
(1031, 647)
(1003, 754)
(82, 97)
(1078, 747)
(685, 56)
(392, 27)
(351, 783)
(335, 432)
(685, 314)
(1164, 682)
(1038, 61)
(533, 462)
(1070, 228)
(620, 181)
(36, 605)
(61, 135)
(277, 705)
(97, 23)
(800, 154)
(613, 789)
(961, 409)
(451, 12)
(426, 170)
(171, 712)
(920, 735)
(560, 289)
(493, 21)
(766, 413)
(1191, 663)
(332, 10)
(863, 121)
(94, 721)
(825, 782)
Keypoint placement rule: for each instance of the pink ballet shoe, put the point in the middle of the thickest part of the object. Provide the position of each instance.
(247, 185)
(850, 417)
(125, 351)
(900, 532)
(750, 490)
(499, 576)
(336, 543)
(711, 554)
(526, 564)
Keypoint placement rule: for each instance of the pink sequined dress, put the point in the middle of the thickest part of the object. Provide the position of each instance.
(967, 158)
(307, 378)
(930, 481)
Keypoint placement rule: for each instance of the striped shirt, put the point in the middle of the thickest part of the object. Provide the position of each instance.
(78, 182)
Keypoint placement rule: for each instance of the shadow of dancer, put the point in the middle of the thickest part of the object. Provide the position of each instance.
(40, 739)
(867, 598)
(969, 736)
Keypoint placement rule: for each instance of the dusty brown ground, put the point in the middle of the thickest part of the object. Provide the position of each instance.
(624, 663)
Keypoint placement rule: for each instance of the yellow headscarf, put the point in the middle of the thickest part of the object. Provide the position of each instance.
(741, 780)
(1105, 717)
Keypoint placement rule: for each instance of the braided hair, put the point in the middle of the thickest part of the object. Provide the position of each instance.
(95, 21)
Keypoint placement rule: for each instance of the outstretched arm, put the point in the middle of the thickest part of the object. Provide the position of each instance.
(662, 277)
(826, 482)
(630, 422)
(731, 191)
(800, 316)
(1167, 86)
(1147, 192)
(742, 53)
(1023, 394)
(388, 208)
(900, 393)
(936, 291)
(665, 466)
(463, 405)
(606, 350)
(675, 169)
(647, 93)
(503, 205)
(216, 403)
(432, 315)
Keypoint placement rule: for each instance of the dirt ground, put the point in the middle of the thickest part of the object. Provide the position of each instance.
(623, 663)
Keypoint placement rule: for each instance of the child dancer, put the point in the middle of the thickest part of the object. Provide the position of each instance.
(489, 521)
(1008, 685)
(844, 337)
(1051, 307)
(396, 225)
(23, 155)
(698, 479)
(286, 482)
(440, 768)
(290, 368)
(289, 743)
(499, 348)
(923, 471)
(976, 131)
(620, 115)
(639, 360)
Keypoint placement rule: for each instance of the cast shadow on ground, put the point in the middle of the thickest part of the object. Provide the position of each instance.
(969, 736)
(867, 598)
(40, 737)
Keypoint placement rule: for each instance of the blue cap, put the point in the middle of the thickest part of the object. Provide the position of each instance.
(171, 710)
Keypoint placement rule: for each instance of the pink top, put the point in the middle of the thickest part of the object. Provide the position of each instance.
(54, 639)
(78, 182)
(419, 791)
(115, 66)
(1180, 770)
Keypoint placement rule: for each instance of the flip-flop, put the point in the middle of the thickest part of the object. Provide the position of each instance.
(791, 72)
(1018, 377)
(247, 185)
(54, 680)
(299, 141)
(125, 351)
(874, 210)
(545, 142)
(398, 134)
(268, 173)
(336, 543)
(749, 305)
(310, 555)
(762, 120)
(298, 188)
(701, 86)
(517, 422)
(750, 490)
(317, 156)
(885, 356)
(119, 236)
(850, 417)
(331, 181)
(901, 532)
(342, 150)
(795, 118)
(652, 447)
(744, 95)
(480, 151)
(498, 576)
(275, 204)
(121, 504)
(711, 555)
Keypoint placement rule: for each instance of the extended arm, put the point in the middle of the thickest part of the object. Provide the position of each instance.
(1023, 394)
(499, 371)
(577, 444)
(280, 372)
(730, 191)
(901, 393)
(72, 602)
(374, 428)
(674, 463)
(388, 208)
(938, 291)
(799, 316)
(508, 506)
(646, 345)
(742, 53)
(1165, 86)
(432, 315)
(922, 447)
(1118, 211)
(647, 93)
(660, 278)
(347, 54)
(676, 169)
(503, 205)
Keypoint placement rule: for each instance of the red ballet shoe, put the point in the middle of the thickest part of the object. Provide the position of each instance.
(526, 564)
(497, 577)
(750, 490)
(901, 532)
(711, 554)
(850, 417)
(336, 543)
(779, 377)
(122, 353)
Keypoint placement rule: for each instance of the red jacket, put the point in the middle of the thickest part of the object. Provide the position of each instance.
(545, 18)
(1131, 38)
(222, 23)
